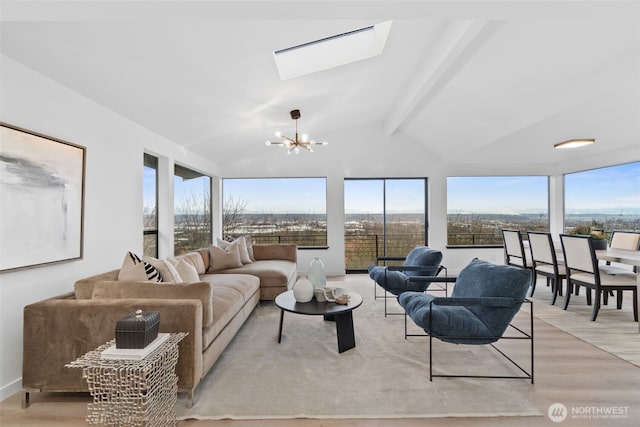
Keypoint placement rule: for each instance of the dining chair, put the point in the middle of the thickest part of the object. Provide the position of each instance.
(583, 270)
(621, 239)
(545, 262)
(514, 253)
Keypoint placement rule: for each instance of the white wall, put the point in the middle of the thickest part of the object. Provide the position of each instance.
(113, 194)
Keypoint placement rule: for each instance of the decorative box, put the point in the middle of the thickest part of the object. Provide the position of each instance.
(137, 330)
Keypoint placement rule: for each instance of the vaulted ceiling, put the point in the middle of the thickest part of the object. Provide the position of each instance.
(468, 81)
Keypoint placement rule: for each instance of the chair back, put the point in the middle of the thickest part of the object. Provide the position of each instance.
(579, 254)
(625, 240)
(423, 256)
(484, 279)
(513, 248)
(542, 250)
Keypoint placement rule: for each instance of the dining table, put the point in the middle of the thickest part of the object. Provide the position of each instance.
(623, 256)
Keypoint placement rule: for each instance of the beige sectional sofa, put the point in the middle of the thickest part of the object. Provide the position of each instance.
(60, 329)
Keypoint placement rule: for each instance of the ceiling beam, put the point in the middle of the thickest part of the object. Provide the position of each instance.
(459, 41)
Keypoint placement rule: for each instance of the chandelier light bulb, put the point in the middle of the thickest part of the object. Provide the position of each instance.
(294, 144)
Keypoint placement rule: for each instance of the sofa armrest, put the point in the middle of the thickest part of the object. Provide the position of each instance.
(124, 289)
(282, 251)
(59, 330)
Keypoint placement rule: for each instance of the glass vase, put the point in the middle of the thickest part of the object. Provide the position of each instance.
(317, 275)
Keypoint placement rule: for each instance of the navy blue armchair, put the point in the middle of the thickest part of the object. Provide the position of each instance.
(484, 301)
(420, 262)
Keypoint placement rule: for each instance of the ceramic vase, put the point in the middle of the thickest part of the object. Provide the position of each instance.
(317, 275)
(303, 290)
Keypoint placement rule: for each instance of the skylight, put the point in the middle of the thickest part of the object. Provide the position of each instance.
(332, 51)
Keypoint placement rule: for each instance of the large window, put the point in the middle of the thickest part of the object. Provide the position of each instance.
(479, 207)
(604, 199)
(276, 210)
(150, 205)
(383, 217)
(192, 210)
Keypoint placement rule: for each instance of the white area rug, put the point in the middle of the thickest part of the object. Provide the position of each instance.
(384, 376)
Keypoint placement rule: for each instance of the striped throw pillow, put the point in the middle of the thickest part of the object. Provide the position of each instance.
(135, 269)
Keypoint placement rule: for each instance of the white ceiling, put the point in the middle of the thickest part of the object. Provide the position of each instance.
(471, 81)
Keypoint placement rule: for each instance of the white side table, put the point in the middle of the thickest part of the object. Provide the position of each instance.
(132, 392)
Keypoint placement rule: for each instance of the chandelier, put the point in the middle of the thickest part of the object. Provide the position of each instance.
(294, 145)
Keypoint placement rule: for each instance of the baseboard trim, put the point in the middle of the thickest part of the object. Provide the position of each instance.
(10, 389)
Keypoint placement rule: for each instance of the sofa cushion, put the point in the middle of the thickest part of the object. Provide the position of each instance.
(187, 271)
(84, 287)
(242, 248)
(220, 259)
(196, 260)
(124, 290)
(230, 292)
(271, 272)
(281, 251)
(249, 242)
(134, 268)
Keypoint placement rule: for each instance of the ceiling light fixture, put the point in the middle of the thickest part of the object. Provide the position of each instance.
(294, 145)
(574, 143)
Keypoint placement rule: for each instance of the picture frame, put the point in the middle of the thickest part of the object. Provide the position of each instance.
(42, 183)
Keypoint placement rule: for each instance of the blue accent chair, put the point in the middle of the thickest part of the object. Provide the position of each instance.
(421, 261)
(484, 301)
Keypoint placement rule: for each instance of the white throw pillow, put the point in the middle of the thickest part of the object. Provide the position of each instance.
(167, 271)
(187, 271)
(242, 245)
(222, 259)
(135, 269)
(249, 242)
(195, 259)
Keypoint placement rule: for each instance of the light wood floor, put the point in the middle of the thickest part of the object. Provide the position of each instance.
(568, 371)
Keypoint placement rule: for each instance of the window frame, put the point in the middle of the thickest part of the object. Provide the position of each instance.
(147, 160)
(497, 235)
(593, 222)
(384, 180)
(194, 174)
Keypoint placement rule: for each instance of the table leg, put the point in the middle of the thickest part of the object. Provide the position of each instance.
(344, 330)
(280, 327)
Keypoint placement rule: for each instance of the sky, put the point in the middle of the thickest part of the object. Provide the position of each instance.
(278, 195)
(497, 194)
(613, 189)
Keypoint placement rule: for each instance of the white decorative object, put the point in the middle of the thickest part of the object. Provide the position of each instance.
(317, 275)
(303, 290)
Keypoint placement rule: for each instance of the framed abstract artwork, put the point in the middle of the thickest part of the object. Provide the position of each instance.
(41, 199)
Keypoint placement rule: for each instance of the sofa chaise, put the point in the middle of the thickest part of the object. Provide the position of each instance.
(62, 328)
